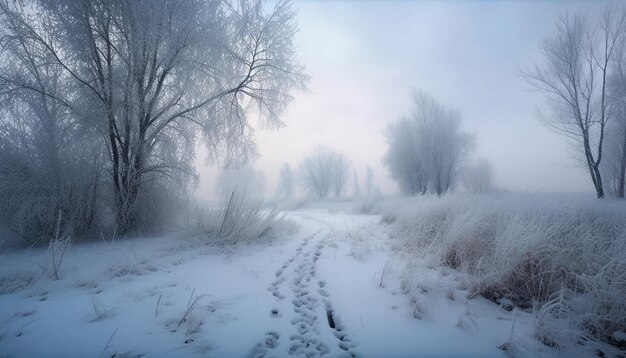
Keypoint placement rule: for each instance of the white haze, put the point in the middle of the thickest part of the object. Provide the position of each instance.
(363, 58)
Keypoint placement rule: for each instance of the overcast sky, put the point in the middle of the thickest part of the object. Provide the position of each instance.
(363, 58)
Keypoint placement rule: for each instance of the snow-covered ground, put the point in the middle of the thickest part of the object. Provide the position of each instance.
(330, 288)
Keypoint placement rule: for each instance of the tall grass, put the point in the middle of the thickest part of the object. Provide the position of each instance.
(565, 255)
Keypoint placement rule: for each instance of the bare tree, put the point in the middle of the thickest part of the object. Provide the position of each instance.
(574, 76)
(368, 187)
(614, 166)
(427, 148)
(356, 188)
(323, 171)
(478, 177)
(146, 74)
(286, 181)
(403, 158)
(50, 165)
(341, 166)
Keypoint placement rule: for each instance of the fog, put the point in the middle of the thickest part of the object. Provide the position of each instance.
(363, 57)
(252, 178)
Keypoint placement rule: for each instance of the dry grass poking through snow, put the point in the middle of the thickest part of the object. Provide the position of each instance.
(562, 255)
(14, 281)
(238, 219)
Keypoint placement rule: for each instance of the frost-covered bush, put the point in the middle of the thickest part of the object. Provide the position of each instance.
(367, 205)
(527, 249)
(14, 281)
(237, 220)
(37, 183)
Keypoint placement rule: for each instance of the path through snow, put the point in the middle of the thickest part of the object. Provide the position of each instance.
(331, 289)
(308, 306)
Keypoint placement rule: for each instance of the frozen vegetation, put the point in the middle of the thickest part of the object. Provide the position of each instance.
(560, 257)
(342, 284)
(401, 243)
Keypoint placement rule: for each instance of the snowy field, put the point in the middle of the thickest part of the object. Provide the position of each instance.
(308, 179)
(330, 288)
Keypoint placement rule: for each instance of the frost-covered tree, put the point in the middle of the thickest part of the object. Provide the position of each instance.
(356, 187)
(574, 75)
(341, 167)
(148, 76)
(50, 179)
(286, 182)
(324, 171)
(427, 148)
(403, 158)
(50, 163)
(613, 167)
(478, 177)
(368, 185)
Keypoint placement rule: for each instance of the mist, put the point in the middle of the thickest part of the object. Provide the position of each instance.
(364, 58)
(251, 178)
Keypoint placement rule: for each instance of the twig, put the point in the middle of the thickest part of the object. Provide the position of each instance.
(156, 312)
(187, 312)
(64, 244)
(56, 234)
(108, 345)
(20, 331)
(114, 232)
(512, 333)
(226, 213)
(191, 296)
(189, 307)
(96, 310)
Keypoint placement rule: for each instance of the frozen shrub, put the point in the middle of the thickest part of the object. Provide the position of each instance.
(422, 308)
(555, 323)
(468, 318)
(15, 281)
(367, 205)
(124, 269)
(99, 312)
(237, 220)
(359, 246)
(527, 249)
(56, 251)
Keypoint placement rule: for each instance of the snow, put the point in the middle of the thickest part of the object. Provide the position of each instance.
(619, 336)
(331, 288)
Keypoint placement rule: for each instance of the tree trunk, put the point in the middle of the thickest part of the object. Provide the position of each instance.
(598, 182)
(593, 166)
(126, 204)
(127, 176)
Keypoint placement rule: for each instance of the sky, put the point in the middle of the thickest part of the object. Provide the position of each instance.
(365, 56)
